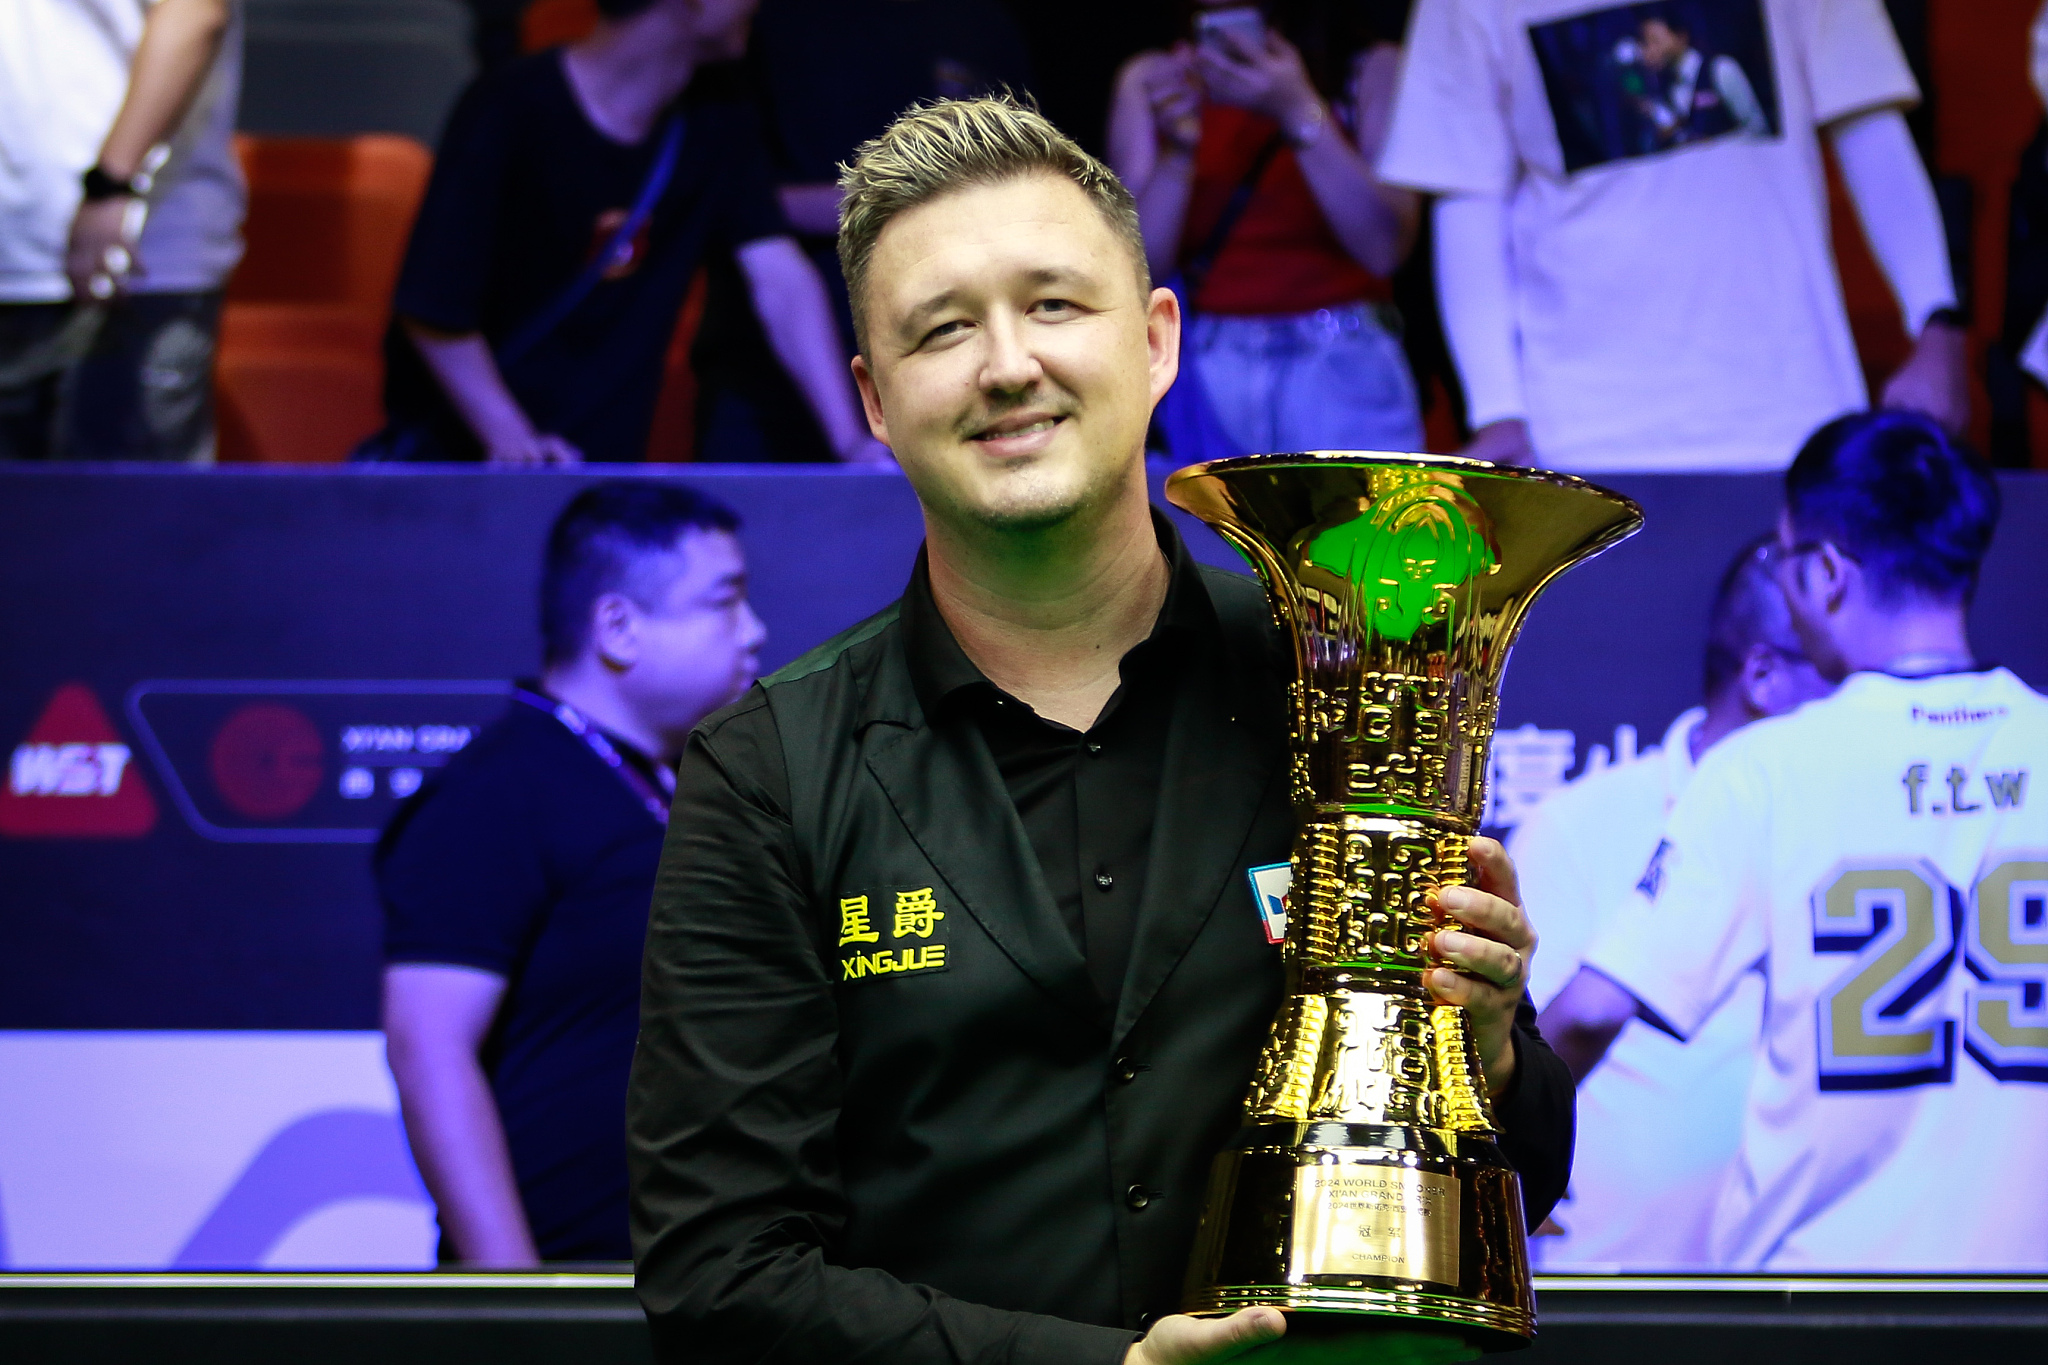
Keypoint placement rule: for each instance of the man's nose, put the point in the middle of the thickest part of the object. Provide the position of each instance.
(752, 630)
(1008, 364)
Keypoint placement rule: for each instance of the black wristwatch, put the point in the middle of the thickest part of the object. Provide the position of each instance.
(99, 185)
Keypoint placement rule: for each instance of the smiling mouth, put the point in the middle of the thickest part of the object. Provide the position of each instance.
(1011, 433)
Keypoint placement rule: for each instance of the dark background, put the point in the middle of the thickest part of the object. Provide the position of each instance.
(116, 578)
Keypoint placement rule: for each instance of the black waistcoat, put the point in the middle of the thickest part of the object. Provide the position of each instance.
(1002, 1138)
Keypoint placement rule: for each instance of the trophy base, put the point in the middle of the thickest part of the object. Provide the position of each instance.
(1409, 1229)
(1486, 1326)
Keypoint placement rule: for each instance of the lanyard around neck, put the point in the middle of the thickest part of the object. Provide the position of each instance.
(594, 739)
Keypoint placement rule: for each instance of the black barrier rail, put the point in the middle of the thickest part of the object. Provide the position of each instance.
(454, 1318)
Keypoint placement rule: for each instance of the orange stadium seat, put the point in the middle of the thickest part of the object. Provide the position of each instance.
(548, 22)
(300, 370)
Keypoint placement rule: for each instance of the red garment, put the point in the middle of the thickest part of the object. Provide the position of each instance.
(1281, 257)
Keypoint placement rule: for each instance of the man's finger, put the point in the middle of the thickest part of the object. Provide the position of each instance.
(1488, 916)
(1492, 870)
(1497, 963)
(1184, 1340)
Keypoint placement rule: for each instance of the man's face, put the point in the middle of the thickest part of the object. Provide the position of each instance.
(697, 640)
(1012, 361)
(1662, 45)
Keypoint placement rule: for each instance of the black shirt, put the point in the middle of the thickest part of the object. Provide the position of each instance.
(528, 857)
(524, 192)
(1086, 798)
(830, 75)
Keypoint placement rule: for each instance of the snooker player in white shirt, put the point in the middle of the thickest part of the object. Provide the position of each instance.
(1883, 853)
(1658, 1119)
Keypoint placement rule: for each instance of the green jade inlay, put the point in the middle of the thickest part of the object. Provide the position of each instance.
(1410, 559)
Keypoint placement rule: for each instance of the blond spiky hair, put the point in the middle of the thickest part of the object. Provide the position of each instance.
(936, 148)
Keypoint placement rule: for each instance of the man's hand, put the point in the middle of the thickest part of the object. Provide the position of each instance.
(532, 450)
(1267, 78)
(1486, 961)
(1184, 1340)
(1503, 442)
(1175, 95)
(1936, 378)
(101, 254)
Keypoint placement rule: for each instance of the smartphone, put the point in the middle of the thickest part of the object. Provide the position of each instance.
(1243, 20)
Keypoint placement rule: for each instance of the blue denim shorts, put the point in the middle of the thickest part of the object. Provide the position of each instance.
(1332, 379)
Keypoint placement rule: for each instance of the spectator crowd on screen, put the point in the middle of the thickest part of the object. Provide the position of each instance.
(1619, 212)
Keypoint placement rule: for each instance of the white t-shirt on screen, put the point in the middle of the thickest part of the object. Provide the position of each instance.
(64, 68)
(1884, 854)
(1659, 1120)
(1675, 297)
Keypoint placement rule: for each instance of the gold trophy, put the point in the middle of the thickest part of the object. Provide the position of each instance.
(1367, 1180)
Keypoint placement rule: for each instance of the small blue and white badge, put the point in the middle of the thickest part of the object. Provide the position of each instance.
(1269, 891)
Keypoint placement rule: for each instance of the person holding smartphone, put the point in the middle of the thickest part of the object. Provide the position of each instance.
(1250, 149)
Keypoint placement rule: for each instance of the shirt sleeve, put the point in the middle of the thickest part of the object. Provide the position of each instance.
(735, 1099)
(1696, 920)
(1538, 1118)
(1475, 284)
(1450, 132)
(1558, 893)
(463, 878)
(751, 209)
(1895, 203)
(448, 261)
(1853, 59)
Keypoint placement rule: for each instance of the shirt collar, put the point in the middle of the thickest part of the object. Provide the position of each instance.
(940, 669)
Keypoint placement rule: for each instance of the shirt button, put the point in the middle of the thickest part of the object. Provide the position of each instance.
(1135, 1198)
(1104, 880)
(1094, 746)
(1125, 1070)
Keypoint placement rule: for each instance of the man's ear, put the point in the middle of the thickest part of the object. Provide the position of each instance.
(870, 400)
(1162, 340)
(1758, 679)
(615, 631)
(1833, 575)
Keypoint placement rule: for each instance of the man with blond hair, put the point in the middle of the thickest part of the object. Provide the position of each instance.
(954, 978)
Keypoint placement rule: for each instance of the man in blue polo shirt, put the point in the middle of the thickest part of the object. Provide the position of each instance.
(516, 885)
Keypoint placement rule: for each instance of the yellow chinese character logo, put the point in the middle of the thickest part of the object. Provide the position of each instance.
(853, 922)
(916, 913)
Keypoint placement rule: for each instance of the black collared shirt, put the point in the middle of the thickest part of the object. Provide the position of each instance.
(1086, 798)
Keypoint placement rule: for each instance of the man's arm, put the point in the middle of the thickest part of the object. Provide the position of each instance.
(1475, 281)
(468, 373)
(735, 1102)
(1585, 1019)
(796, 314)
(435, 1019)
(1902, 222)
(180, 39)
(1485, 968)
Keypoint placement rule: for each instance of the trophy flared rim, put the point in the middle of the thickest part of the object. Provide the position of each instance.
(1398, 459)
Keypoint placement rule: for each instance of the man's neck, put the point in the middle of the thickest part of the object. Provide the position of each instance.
(592, 689)
(1048, 615)
(627, 72)
(1726, 713)
(1919, 639)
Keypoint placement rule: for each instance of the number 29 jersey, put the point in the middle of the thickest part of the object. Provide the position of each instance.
(1884, 854)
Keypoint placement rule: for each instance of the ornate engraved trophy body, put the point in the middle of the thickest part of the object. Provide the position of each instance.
(1367, 1179)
